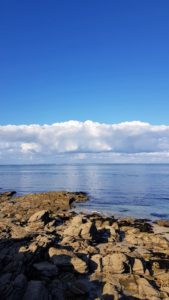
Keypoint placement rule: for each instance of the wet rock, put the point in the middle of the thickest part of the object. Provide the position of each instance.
(7, 195)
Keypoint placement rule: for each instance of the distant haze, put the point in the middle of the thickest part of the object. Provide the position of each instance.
(88, 141)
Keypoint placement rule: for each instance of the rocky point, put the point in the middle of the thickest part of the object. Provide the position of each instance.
(48, 252)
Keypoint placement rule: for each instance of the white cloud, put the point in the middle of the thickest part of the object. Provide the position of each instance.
(73, 140)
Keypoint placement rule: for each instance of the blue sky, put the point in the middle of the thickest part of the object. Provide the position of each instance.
(106, 61)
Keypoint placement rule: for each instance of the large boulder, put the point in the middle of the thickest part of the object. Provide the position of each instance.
(115, 263)
(67, 260)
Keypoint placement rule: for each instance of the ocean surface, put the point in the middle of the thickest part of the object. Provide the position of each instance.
(140, 190)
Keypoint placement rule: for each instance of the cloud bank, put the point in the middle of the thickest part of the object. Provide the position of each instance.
(84, 141)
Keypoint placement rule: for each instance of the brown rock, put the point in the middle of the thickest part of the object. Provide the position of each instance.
(79, 265)
(164, 223)
(96, 263)
(42, 216)
(139, 266)
(146, 290)
(110, 292)
(115, 263)
(88, 231)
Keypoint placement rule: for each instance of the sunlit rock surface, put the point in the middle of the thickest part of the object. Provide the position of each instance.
(49, 252)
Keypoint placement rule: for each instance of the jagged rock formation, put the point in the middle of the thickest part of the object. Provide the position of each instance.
(48, 252)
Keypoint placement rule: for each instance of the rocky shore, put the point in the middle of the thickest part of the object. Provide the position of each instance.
(49, 252)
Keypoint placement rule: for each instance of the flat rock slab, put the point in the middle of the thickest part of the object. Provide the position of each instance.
(23, 207)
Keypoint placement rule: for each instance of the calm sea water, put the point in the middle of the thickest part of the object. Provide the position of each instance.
(115, 189)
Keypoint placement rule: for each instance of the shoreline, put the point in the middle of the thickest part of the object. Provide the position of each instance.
(48, 251)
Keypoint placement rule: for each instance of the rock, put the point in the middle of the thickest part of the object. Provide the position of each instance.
(36, 291)
(115, 263)
(79, 265)
(51, 226)
(78, 256)
(96, 263)
(45, 240)
(6, 286)
(7, 195)
(138, 266)
(163, 280)
(27, 205)
(81, 196)
(128, 284)
(18, 232)
(19, 287)
(66, 259)
(46, 269)
(79, 287)
(59, 251)
(88, 231)
(74, 227)
(164, 223)
(146, 290)
(91, 250)
(72, 231)
(42, 216)
(60, 257)
(110, 292)
(56, 290)
(77, 221)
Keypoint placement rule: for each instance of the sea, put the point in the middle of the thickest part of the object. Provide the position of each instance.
(138, 190)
